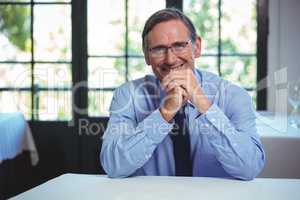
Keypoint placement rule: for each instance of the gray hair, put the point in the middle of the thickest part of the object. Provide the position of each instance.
(164, 15)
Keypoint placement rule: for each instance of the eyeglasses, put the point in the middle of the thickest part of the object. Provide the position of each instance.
(177, 48)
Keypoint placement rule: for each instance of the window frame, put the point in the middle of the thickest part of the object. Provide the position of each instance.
(34, 89)
(79, 58)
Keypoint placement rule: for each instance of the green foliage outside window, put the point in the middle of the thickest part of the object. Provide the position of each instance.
(13, 24)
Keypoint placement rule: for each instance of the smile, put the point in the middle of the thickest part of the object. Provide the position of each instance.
(168, 68)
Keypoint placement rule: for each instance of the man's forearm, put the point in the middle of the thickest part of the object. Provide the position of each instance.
(127, 148)
(239, 151)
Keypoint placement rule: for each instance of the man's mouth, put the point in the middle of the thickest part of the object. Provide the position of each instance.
(169, 68)
(177, 67)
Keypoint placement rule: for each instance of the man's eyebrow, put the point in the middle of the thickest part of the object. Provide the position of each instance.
(158, 46)
(181, 42)
(161, 45)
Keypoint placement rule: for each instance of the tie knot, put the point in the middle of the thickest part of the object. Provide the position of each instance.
(179, 116)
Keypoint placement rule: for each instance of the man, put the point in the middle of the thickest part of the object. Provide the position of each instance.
(218, 136)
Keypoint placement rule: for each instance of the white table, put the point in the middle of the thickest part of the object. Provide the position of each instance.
(76, 186)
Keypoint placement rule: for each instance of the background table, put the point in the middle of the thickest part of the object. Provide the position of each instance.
(76, 186)
(15, 137)
(17, 153)
(281, 144)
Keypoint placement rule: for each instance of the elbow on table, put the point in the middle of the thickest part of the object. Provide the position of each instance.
(115, 173)
(112, 169)
(250, 171)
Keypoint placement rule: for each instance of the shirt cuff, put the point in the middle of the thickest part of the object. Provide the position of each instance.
(219, 120)
(157, 127)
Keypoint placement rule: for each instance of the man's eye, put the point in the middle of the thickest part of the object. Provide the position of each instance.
(179, 45)
(158, 49)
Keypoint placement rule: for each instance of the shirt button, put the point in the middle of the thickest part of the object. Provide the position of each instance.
(206, 125)
(213, 119)
(234, 144)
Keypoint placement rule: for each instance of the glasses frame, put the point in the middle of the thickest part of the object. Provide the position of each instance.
(172, 47)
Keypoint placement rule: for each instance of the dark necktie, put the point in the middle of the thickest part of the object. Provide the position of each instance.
(181, 145)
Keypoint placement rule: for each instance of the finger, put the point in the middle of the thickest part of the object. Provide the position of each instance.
(182, 83)
(181, 91)
(170, 78)
(171, 86)
(184, 93)
(165, 82)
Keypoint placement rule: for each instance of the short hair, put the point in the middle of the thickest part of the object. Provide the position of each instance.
(164, 15)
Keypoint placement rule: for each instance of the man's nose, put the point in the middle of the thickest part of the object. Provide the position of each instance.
(170, 58)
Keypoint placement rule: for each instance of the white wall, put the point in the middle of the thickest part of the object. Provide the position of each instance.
(283, 45)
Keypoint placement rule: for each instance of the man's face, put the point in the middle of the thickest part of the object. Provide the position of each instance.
(166, 34)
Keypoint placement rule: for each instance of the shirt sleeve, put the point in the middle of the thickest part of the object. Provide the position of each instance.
(128, 145)
(233, 135)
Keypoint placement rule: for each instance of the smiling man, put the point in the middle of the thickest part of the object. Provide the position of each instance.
(182, 121)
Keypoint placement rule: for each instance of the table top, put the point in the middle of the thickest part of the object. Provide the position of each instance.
(80, 186)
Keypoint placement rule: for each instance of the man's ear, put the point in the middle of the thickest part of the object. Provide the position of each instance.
(197, 47)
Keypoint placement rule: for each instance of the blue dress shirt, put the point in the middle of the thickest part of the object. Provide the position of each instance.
(224, 140)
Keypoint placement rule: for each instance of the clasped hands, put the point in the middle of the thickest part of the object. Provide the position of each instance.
(181, 85)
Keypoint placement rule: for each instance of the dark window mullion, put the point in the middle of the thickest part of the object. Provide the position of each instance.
(126, 40)
(219, 37)
(175, 4)
(33, 111)
(102, 89)
(35, 62)
(261, 51)
(79, 58)
(39, 89)
(142, 56)
(34, 3)
(115, 56)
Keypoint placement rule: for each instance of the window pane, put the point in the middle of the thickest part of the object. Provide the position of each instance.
(52, 35)
(239, 26)
(138, 13)
(52, 0)
(240, 70)
(106, 27)
(15, 42)
(15, 75)
(106, 72)
(138, 68)
(99, 102)
(16, 101)
(52, 75)
(15, 1)
(207, 63)
(204, 15)
(54, 105)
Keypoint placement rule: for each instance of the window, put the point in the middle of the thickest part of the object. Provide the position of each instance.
(47, 50)
(114, 47)
(35, 59)
(228, 29)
